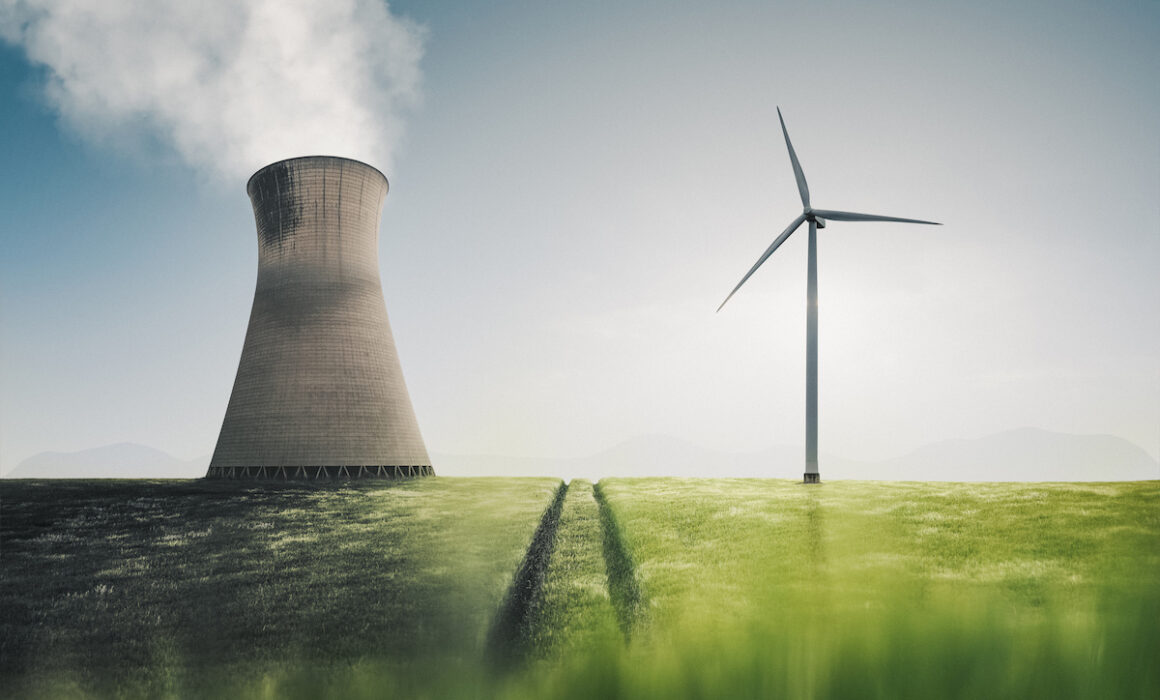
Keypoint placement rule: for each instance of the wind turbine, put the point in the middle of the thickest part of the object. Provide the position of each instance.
(817, 219)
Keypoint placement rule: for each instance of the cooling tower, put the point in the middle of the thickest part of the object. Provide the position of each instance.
(319, 391)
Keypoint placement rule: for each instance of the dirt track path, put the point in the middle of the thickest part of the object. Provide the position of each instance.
(576, 588)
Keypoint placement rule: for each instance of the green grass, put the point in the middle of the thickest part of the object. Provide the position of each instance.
(854, 544)
(650, 588)
(152, 588)
(863, 589)
(573, 613)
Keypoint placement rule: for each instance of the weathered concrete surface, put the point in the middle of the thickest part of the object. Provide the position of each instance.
(319, 383)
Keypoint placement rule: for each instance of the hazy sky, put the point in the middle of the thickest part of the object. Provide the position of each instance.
(575, 187)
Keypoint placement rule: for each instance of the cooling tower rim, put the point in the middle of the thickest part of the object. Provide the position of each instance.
(264, 168)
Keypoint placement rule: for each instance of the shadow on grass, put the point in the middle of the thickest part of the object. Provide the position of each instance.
(148, 588)
(510, 632)
(627, 595)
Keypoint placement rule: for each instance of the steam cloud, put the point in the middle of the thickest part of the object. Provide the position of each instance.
(229, 85)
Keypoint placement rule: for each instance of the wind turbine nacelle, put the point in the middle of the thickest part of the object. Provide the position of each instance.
(820, 221)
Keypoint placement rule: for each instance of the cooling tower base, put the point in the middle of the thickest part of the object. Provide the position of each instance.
(319, 473)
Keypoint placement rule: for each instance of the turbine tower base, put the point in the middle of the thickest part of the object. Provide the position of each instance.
(812, 478)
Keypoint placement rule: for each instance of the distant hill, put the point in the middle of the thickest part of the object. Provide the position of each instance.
(650, 455)
(121, 461)
(1025, 454)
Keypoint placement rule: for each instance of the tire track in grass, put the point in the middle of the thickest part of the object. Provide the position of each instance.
(628, 597)
(572, 615)
(507, 641)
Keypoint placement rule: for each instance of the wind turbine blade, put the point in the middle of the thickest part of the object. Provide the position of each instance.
(765, 256)
(853, 216)
(803, 188)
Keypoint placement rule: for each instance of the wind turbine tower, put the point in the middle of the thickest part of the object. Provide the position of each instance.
(817, 219)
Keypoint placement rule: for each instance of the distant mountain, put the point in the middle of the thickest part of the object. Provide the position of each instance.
(649, 455)
(1026, 454)
(121, 461)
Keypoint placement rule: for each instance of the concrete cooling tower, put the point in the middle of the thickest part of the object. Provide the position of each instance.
(319, 392)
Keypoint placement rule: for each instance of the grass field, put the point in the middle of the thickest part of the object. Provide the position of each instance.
(634, 588)
(207, 588)
(864, 589)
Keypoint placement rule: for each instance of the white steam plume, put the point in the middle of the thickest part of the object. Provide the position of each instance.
(231, 85)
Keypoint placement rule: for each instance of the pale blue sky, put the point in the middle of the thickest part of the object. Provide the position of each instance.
(582, 184)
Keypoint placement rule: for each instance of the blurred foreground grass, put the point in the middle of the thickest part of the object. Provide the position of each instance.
(725, 588)
(883, 590)
(151, 588)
